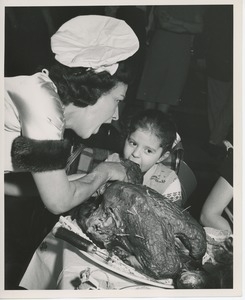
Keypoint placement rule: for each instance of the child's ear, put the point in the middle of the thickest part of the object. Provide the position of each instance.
(163, 157)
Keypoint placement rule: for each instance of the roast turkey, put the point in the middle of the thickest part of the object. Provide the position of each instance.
(144, 229)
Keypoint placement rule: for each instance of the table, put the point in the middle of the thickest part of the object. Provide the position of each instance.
(57, 264)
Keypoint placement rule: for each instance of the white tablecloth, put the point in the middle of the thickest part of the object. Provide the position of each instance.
(58, 265)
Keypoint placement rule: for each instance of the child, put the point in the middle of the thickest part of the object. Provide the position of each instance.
(150, 137)
(220, 200)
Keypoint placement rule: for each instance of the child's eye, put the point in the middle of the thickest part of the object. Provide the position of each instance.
(149, 151)
(132, 143)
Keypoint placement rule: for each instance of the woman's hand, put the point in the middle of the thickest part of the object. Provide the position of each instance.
(113, 157)
(120, 169)
(113, 170)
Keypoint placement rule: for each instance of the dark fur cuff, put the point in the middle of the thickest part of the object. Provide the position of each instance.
(39, 155)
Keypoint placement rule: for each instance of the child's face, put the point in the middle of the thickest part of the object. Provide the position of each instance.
(143, 148)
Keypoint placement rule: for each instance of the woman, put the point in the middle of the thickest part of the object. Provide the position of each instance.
(80, 92)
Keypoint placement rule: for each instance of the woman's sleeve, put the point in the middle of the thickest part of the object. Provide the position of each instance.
(41, 146)
(40, 109)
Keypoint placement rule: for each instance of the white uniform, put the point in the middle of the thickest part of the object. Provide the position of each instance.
(33, 110)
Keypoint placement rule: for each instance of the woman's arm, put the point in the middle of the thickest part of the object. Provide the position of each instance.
(219, 197)
(59, 195)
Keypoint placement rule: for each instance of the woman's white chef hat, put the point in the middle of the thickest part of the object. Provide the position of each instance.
(94, 42)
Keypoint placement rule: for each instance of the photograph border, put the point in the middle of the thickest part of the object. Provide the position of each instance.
(237, 290)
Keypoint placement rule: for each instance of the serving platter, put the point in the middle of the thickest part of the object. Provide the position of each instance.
(119, 267)
(112, 262)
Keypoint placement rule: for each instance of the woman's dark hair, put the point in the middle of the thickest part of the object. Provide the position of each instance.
(156, 122)
(84, 87)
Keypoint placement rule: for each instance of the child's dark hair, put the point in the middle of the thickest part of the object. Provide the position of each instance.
(84, 87)
(156, 122)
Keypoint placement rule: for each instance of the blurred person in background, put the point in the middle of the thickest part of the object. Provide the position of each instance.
(219, 66)
(168, 57)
